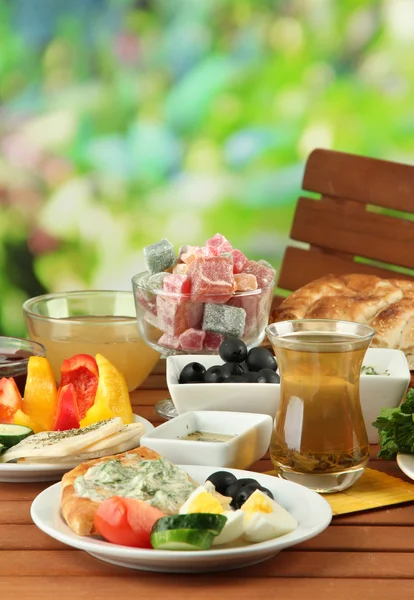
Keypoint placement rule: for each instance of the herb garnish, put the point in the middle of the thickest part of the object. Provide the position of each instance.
(396, 428)
(372, 371)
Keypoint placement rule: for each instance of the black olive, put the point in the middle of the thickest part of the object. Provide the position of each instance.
(192, 373)
(245, 492)
(269, 376)
(221, 481)
(235, 379)
(236, 486)
(261, 358)
(232, 349)
(214, 375)
(229, 369)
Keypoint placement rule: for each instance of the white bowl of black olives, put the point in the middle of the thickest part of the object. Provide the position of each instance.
(235, 380)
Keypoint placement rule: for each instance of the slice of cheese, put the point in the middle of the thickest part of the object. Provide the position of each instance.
(63, 443)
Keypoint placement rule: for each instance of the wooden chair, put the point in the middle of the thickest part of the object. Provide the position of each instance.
(344, 227)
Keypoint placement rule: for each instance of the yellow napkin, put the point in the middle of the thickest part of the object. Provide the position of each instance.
(372, 490)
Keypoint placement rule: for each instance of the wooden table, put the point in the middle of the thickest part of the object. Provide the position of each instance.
(367, 556)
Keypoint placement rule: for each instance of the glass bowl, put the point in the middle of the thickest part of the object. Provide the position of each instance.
(14, 357)
(163, 318)
(91, 322)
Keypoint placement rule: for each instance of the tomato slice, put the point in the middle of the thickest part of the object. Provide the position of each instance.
(82, 372)
(126, 521)
(10, 399)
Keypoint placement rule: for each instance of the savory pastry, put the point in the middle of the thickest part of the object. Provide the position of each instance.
(385, 304)
(139, 473)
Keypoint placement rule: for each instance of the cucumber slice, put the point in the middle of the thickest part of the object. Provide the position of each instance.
(10, 434)
(202, 521)
(182, 539)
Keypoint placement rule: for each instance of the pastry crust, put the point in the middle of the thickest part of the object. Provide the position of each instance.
(79, 513)
(385, 304)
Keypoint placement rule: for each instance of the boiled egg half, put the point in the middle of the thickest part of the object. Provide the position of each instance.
(265, 519)
(204, 500)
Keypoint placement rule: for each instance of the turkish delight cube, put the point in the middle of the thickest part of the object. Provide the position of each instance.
(264, 273)
(159, 256)
(177, 284)
(180, 269)
(222, 318)
(174, 317)
(192, 340)
(169, 341)
(156, 281)
(212, 341)
(239, 261)
(218, 244)
(245, 282)
(212, 279)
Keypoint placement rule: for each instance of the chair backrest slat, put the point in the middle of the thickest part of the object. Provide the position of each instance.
(340, 227)
(367, 180)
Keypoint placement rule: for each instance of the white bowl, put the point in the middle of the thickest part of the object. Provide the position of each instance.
(251, 439)
(260, 398)
(376, 391)
(382, 391)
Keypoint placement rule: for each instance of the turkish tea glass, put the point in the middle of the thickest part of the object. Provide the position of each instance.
(319, 438)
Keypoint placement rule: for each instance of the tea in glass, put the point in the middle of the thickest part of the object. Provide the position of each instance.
(319, 437)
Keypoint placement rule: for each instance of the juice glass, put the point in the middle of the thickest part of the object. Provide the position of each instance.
(319, 437)
(91, 322)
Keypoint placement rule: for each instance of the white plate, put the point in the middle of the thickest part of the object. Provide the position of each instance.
(311, 511)
(406, 464)
(21, 473)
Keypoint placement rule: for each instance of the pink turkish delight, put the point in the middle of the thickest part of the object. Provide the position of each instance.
(169, 341)
(239, 261)
(212, 341)
(177, 284)
(174, 317)
(244, 282)
(212, 279)
(264, 273)
(218, 244)
(192, 340)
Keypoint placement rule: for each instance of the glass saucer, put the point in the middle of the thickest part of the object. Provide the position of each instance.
(166, 409)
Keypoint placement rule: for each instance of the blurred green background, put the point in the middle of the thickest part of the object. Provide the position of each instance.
(125, 121)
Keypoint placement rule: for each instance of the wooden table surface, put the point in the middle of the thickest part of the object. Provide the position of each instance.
(369, 555)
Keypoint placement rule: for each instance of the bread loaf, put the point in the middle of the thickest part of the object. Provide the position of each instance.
(385, 304)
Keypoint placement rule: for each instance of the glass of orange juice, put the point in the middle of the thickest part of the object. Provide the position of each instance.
(319, 437)
(91, 322)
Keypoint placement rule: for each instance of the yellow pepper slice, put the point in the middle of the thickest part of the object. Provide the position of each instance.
(39, 402)
(20, 418)
(112, 396)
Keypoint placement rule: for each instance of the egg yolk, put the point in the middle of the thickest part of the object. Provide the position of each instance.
(258, 502)
(204, 503)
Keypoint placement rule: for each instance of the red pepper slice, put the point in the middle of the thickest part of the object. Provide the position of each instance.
(82, 372)
(67, 416)
(10, 399)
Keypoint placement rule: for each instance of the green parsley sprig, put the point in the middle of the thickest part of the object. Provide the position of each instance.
(396, 428)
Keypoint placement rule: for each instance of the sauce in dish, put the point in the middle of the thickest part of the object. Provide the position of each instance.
(207, 436)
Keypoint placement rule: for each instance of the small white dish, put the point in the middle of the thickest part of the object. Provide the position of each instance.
(260, 398)
(21, 473)
(311, 511)
(406, 464)
(382, 391)
(251, 437)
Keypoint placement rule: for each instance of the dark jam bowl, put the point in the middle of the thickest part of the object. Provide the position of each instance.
(14, 357)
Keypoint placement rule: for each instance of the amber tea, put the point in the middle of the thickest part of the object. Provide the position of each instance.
(319, 428)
